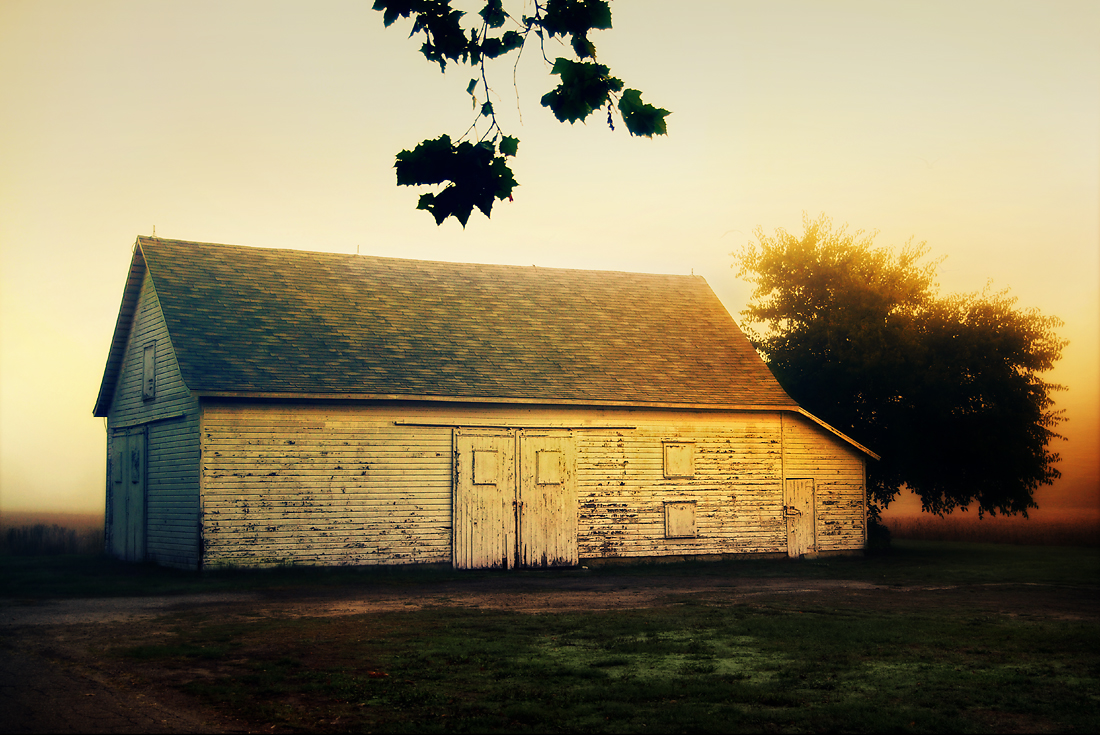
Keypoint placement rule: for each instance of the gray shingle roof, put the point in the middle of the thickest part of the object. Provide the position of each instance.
(245, 319)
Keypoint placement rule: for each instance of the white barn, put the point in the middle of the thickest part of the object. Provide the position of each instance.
(277, 406)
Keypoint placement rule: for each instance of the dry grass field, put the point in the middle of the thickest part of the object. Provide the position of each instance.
(23, 534)
(1067, 528)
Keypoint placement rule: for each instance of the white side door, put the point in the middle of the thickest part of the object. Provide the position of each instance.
(798, 506)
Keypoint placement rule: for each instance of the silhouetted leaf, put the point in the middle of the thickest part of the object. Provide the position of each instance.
(576, 17)
(430, 162)
(444, 37)
(476, 176)
(640, 118)
(493, 13)
(492, 48)
(511, 41)
(393, 9)
(585, 86)
(583, 48)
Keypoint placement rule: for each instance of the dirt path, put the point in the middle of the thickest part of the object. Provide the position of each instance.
(53, 680)
(41, 694)
(526, 595)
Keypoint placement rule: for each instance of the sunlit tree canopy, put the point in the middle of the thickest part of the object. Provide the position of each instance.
(948, 389)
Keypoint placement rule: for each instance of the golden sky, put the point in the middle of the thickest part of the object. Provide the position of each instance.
(973, 126)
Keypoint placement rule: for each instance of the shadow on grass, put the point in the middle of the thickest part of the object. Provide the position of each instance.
(906, 563)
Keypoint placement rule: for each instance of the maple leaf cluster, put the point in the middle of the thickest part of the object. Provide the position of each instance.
(477, 173)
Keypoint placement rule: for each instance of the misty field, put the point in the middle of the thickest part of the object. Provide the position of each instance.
(35, 534)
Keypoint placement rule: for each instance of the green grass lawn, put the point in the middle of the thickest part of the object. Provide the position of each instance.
(881, 661)
(685, 668)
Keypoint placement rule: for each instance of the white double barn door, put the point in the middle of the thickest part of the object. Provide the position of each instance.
(515, 499)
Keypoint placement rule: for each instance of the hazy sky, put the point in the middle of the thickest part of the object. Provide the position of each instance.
(974, 126)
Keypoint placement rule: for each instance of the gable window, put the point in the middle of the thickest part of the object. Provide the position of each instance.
(679, 459)
(149, 372)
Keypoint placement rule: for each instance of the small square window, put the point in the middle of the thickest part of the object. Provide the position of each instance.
(680, 519)
(679, 459)
(486, 464)
(548, 468)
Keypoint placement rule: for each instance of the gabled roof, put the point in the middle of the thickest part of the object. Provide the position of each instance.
(253, 321)
(121, 334)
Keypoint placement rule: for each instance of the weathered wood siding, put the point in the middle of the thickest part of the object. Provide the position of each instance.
(322, 485)
(837, 470)
(373, 483)
(364, 484)
(171, 419)
(737, 486)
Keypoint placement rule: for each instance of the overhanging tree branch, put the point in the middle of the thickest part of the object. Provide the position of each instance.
(584, 87)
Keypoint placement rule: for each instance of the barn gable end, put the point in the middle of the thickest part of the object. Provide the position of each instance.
(130, 405)
(153, 441)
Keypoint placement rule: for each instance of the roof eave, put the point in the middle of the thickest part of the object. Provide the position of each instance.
(313, 396)
(837, 432)
(526, 400)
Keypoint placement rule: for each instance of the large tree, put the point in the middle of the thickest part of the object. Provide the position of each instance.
(947, 389)
(475, 168)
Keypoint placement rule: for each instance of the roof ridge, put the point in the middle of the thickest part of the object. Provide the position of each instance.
(143, 239)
